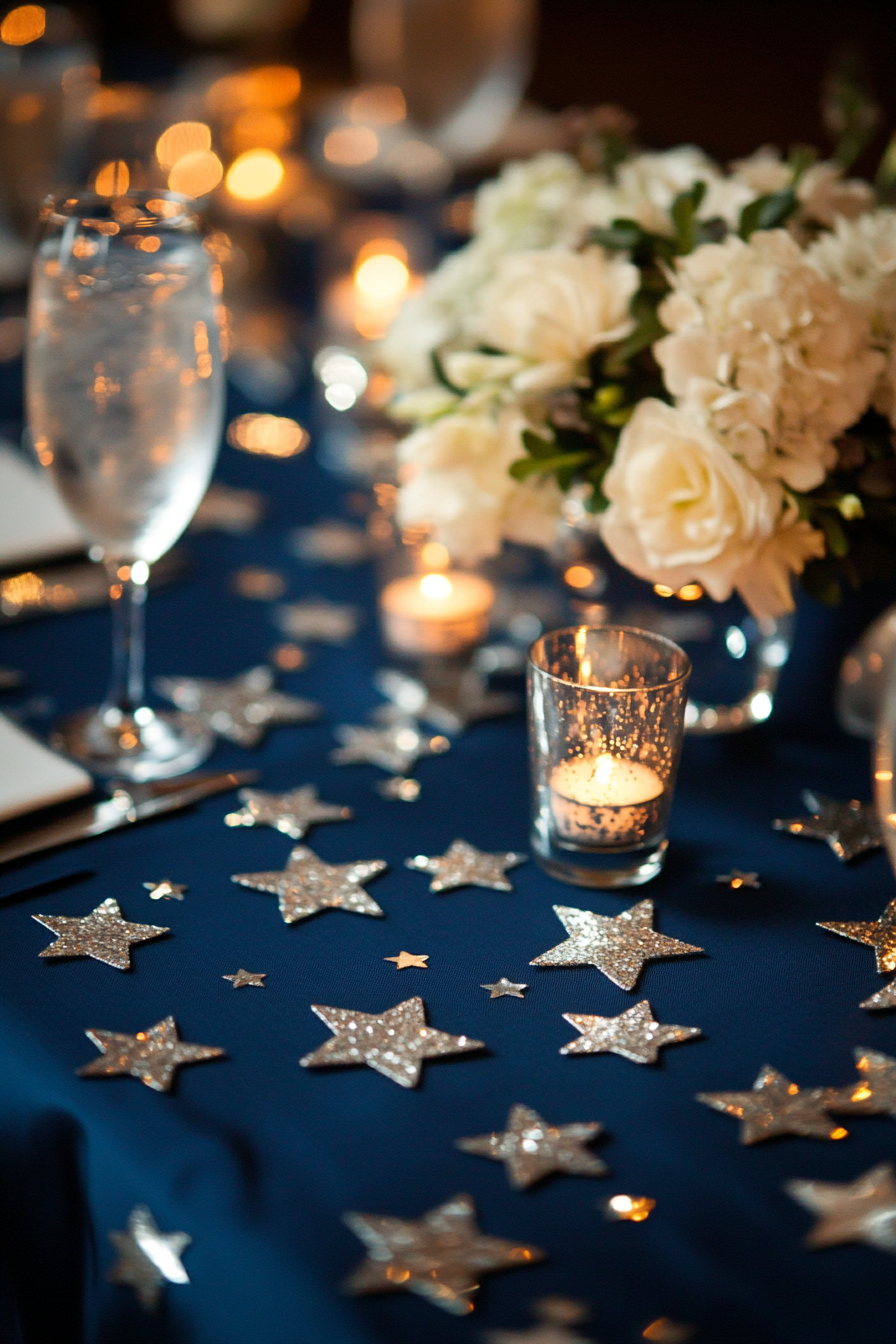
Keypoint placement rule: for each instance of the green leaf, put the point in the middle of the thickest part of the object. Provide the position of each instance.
(766, 212)
(836, 540)
(524, 467)
(885, 179)
(536, 446)
(620, 236)
(441, 376)
(800, 160)
(684, 211)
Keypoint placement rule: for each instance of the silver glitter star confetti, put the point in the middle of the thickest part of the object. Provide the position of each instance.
(874, 1093)
(394, 1042)
(531, 1149)
(307, 885)
(776, 1106)
(555, 1315)
(166, 890)
(736, 879)
(463, 865)
(259, 585)
(617, 945)
(241, 710)
(241, 978)
(634, 1034)
(850, 828)
(879, 934)
(330, 542)
(292, 813)
(883, 998)
(405, 960)
(151, 1055)
(505, 988)
(317, 620)
(148, 1258)
(441, 1256)
(102, 934)
(862, 1210)
(452, 701)
(399, 788)
(397, 747)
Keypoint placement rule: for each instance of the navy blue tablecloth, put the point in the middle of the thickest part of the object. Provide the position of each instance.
(257, 1158)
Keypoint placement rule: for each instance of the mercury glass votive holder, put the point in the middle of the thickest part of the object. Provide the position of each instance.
(606, 725)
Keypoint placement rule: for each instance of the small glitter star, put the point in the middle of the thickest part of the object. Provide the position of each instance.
(147, 1258)
(165, 890)
(102, 934)
(879, 934)
(861, 1210)
(634, 1034)
(617, 945)
(883, 998)
(776, 1106)
(399, 788)
(442, 1256)
(451, 702)
(331, 542)
(849, 828)
(666, 1331)
(292, 813)
(307, 885)
(463, 865)
(394, 1042)
(406, 959)
(151, 1055)
(318, 620)
(243, 978)
(505, 988)
(874, 1093)
(554, 1315)
(531, 1149)
(736, 879)
(396, 748)
(242, 709)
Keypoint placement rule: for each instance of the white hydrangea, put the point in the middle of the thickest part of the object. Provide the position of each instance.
(645, 187)
(768, 353)
(532, 203)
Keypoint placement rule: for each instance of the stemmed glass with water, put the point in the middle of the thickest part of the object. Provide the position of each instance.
(125, 394)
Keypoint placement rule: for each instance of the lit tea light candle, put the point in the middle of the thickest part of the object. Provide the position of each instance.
(436, 613)
(604, 799)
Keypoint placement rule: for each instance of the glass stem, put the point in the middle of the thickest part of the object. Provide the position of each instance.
(128, 599)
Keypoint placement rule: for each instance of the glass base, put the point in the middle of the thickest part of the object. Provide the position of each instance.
(141, 746)
(600, 868)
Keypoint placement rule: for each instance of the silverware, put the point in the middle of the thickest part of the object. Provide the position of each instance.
(128, 804)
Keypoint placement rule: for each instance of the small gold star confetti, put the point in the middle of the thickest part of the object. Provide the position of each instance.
(879, 934)
(406, 959)
(531, 1149)
(874, 1093)
(441, 1256)
(861, 1210)
(243, 978)
(307, 885)
(634, 1034)
(554, 1315)
(394, 1042)
(883, 998)
(292, 813)
(397, 747)
(505, 988)
(147, 1258)
(776, 1106)
(165, 890)
(850, 828)
(102, 934)
(151, 1055)
(242, 709)
(666, 1331)
(463, 865)
(318, 620)
(617, 945)
(736, 879)
(628, 1208)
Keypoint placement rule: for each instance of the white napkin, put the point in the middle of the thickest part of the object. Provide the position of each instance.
(31, 775)
(34, 523)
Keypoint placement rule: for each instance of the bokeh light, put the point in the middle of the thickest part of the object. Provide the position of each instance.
(23, 25)
(259, 128)
(271, 86)
(113, 179)
(267, 435)
(196, 174)
(350, 146)
(382, 277)
(184, 137)
(343, 376)
(380, 105)
(255, 175)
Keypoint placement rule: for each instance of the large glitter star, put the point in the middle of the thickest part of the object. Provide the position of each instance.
(307, 885)
(882, 998)
(442, 1256)
(394, 1042)
(102, 934)
(531, 1149)
(861, 1210)
(451, 701)
(850, 828)
(397, 747)
(618, 945)
(241, 710)
(463, 865)
(874, 1093)
(151, 1055)
(293, 813)
(147, 1258)
(776, 1106)
(634, 1034)
(879, 934)
(505, 988)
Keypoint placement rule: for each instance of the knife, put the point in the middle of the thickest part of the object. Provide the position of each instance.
(128, 804)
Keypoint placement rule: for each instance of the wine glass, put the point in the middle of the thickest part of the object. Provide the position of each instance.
(125, 393)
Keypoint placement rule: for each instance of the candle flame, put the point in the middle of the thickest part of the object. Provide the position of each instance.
(604, 768)
(436, 586)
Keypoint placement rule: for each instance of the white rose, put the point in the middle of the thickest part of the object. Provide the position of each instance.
(765, 583)
(556, 306)
(681, 508)
(763, 172)
(826, 194)
(646, 185)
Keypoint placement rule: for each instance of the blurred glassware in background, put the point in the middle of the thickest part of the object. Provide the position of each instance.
(125, 400)
(224, 20)
(863, 677)
(884, 758)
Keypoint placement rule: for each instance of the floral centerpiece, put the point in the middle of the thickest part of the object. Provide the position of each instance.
(707, 357)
